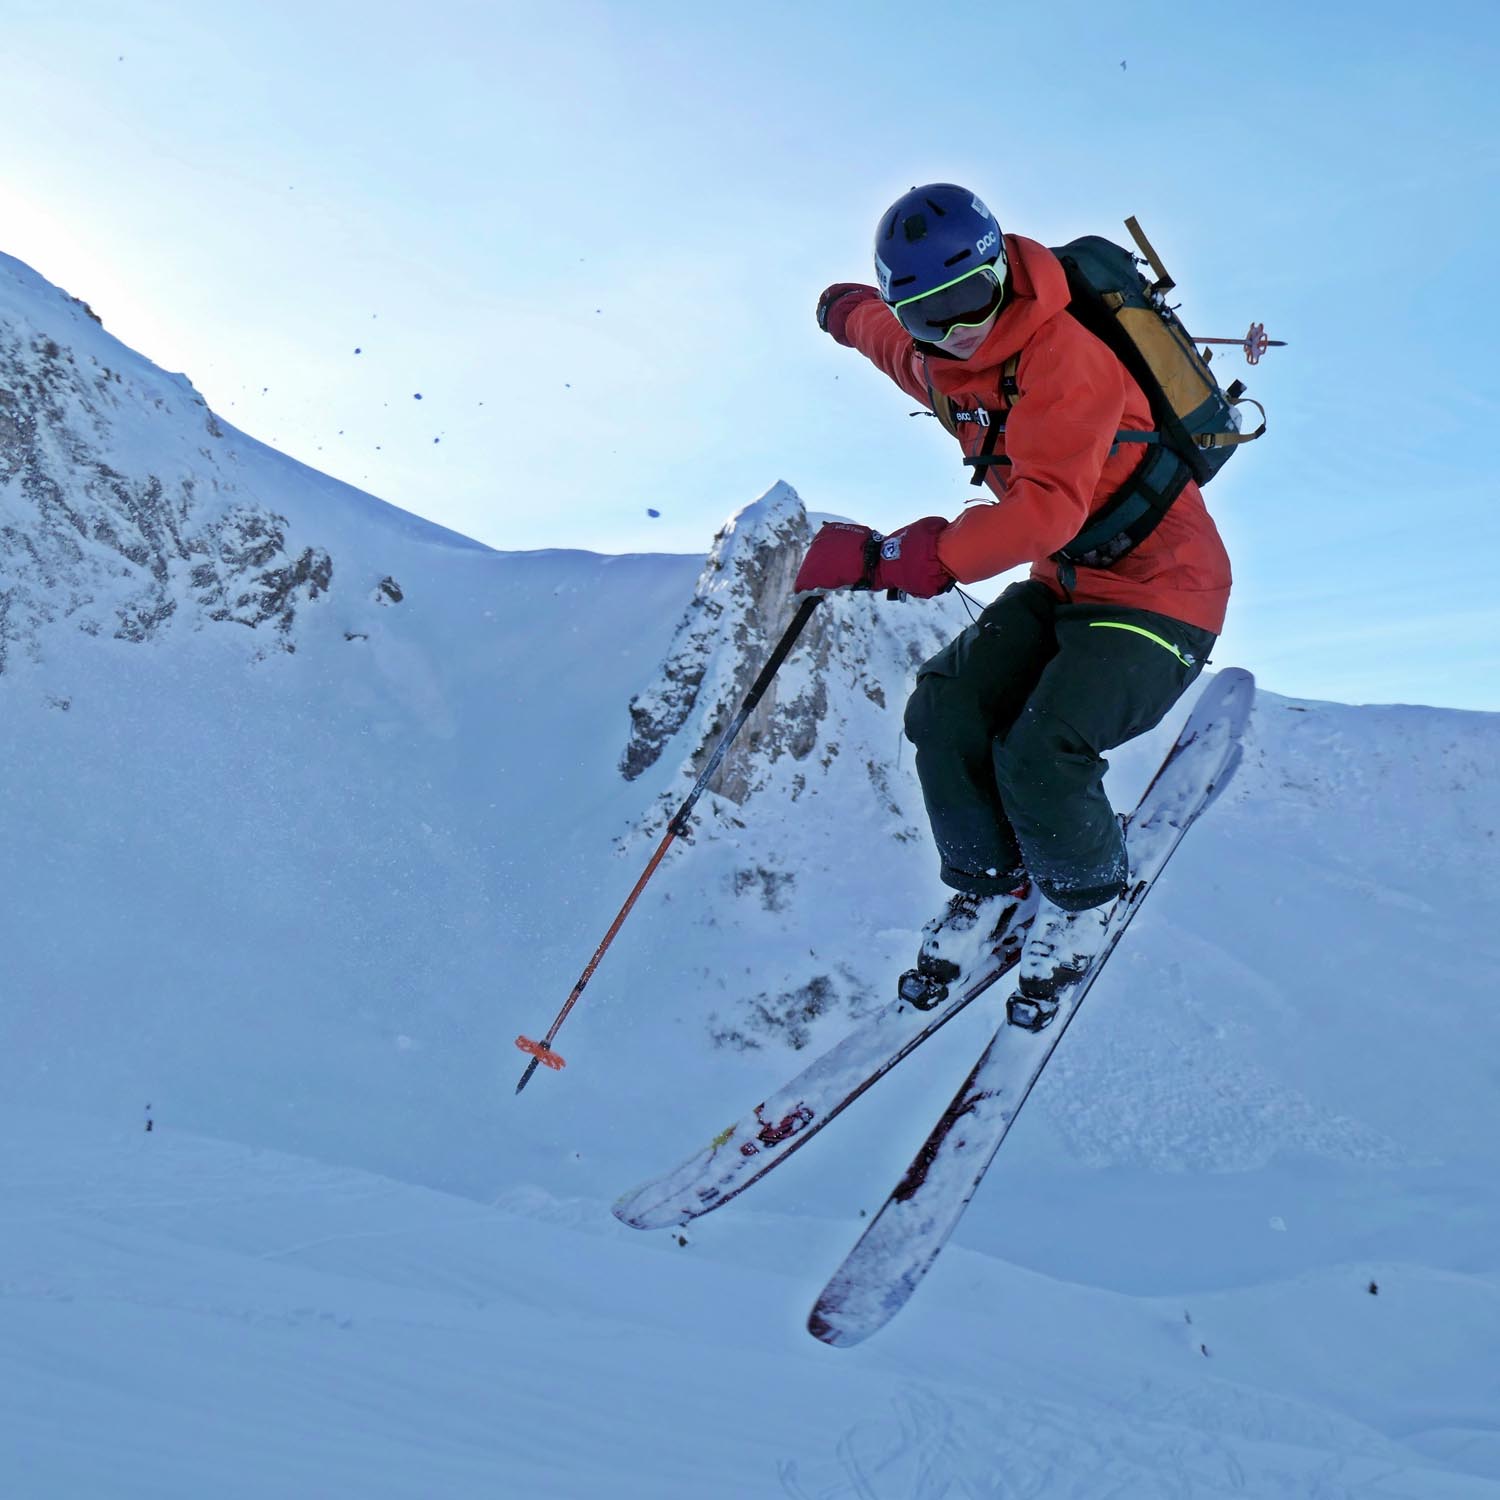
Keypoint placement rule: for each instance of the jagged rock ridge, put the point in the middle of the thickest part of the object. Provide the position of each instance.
(820, 761)
(120, 505)
(855, 647)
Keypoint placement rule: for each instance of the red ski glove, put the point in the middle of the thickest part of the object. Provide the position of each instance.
(839, 557)
(844, 555)
(835, 305)
(909, 560)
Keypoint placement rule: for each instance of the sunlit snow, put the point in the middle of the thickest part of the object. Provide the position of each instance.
(289, 890)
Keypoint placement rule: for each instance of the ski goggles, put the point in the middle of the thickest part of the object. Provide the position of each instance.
(962, 303)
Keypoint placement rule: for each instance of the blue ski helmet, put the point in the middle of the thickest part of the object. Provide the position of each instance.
(931, 237)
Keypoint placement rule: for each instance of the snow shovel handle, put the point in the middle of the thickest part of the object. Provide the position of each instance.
(542, 1050)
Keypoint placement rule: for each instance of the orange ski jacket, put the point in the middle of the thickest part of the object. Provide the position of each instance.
(1074, 395)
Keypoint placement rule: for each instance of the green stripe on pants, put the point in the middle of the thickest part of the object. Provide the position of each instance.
(1186, 658)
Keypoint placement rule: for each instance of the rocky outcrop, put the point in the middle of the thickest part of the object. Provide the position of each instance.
(855, 650)
(817, 795)
(737, 613)
(119, 511)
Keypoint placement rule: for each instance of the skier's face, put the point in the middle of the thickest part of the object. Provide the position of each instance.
(962, 342)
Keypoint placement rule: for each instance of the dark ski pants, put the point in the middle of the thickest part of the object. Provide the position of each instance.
(1011, 721)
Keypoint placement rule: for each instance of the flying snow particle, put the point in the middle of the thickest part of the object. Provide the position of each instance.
(359, 351)
(654, 514)
(416, 395)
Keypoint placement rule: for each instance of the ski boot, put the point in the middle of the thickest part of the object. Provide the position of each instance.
(954, 943)
(1060, 948)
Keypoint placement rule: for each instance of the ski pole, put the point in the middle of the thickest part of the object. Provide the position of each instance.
(541, 1052)
(1255, 343)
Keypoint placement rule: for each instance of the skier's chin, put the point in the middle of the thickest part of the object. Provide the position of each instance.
(963, 342)
(962, 348)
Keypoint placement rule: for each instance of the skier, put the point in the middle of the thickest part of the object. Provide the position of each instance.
(1011, 720)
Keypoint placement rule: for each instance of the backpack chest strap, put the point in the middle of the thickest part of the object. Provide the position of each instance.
(992, 420)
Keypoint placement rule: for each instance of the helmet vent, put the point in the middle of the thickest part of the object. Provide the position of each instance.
(915, 228)
(963, 254)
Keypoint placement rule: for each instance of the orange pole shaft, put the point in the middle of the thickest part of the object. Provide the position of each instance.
(680, 817)
(609, 937)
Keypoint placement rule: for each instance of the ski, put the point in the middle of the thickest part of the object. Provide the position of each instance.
(744, 1152)
(898, 1248)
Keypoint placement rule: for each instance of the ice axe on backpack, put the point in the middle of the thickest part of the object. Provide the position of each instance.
(541, 1051)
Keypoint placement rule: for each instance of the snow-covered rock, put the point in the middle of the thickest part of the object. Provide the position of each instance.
(121, 507)
(840, 694)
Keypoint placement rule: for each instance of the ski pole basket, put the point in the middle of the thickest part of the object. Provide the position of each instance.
(542, 1053)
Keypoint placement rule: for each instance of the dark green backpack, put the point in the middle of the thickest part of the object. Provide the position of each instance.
(1195, 417)
(1197, 423)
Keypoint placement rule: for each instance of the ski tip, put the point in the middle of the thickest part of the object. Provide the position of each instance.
(821, 1329)
(622, 1212)
(1234, 688)
(822, 1324)
(1224, 705)
(640, 1209)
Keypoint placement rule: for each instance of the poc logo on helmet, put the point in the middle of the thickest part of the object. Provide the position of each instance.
(988, 242)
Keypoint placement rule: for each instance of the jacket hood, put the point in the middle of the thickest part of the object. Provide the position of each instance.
(1039, 291)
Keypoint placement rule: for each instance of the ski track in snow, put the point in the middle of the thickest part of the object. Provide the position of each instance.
(928, 1449)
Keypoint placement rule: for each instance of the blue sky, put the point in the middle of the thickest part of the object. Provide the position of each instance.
(590, 236)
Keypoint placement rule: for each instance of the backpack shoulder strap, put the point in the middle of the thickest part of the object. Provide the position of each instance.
(1008, 387)
(942, 406)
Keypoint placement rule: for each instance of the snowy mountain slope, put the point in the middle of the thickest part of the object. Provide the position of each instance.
(127, 504)
(296, 881)
(203, 1318)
